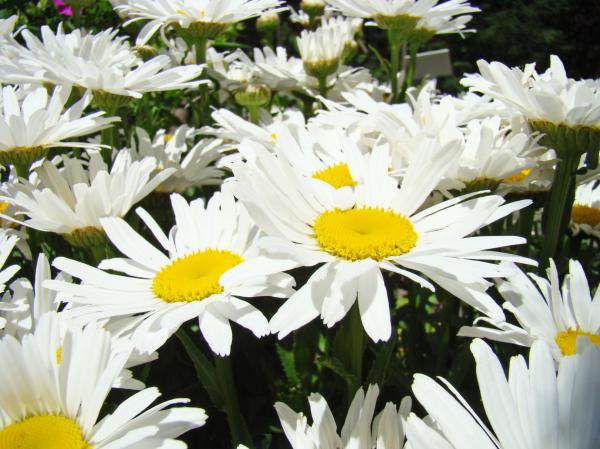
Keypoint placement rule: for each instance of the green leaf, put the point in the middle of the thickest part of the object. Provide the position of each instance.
(382, 359)
(288, 363)
(335, 365)
(205, 370)
(384, 63)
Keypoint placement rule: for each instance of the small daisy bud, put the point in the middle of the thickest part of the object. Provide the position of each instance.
(253, 95)
(313, 7)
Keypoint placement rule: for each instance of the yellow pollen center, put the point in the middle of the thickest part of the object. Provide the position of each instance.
(337, 175)
(168, 137)
(194, 277)
(3, 206)
(364, 233)
(567, 341)
(43, 432)
(585, 215)
(518, 177)
(273, 138)
(59, 355)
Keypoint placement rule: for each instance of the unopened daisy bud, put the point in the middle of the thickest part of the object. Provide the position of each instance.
(313, 7)
(267, 23)
(253, 95)
(146, 51)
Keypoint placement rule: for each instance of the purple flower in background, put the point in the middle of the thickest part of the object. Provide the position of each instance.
(63, 8)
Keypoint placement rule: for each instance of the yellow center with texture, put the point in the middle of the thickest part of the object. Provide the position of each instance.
(364, 233)
(194, 277)
(585, 215)
(337, 175)
(43, 432)
(567, 341)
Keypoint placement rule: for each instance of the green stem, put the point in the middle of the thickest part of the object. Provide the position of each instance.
(237, 426)
(323, 86)
(22, 170)
(557, 211)
(395, 49)
(253, 110)
(76, 16)
(200, 45)
(410, 72)
(525, 226)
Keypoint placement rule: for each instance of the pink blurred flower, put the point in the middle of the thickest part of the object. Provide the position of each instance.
(63, 8)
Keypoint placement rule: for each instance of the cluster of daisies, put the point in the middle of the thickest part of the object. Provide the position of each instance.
(305, 186)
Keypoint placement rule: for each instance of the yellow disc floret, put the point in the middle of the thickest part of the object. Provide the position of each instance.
(43, 432)
(364, 233)
(582, 214)
(567, 341)
(194, 277)
(337, 175)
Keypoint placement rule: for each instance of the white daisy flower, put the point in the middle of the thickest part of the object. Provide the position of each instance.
(544, 312)
(549, 96)
(21, 311)
(357, 232)
(201, 17)
(321, 50)
(359, 431)
(535, 408)
(34, 122)
(52, 390)
(7, 243)
(585, 215)
(193, 163)
(211, 261)
(103, 63)
(71, 200)
(404, 13)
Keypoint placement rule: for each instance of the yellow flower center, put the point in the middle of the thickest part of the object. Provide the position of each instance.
(518, 177)
(194, 277)
(3, 206)
(364, 233)
(337, 175)
(585, 215)
(273, 138)
(43, 432)
(58, 355)
(168, 137)
(566, 341)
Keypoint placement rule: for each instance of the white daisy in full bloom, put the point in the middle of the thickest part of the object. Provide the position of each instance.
(550, 96)
(355, 232)
(534, 408)
(206, 18)
(32, 123)
(193, 163)
(103, 63)
(211, 261)
(71, 200)
(406, 13)
(545, 312)
(360, 430)
(585, 215)
(53, 387)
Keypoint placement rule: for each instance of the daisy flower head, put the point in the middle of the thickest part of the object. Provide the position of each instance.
(321, 50)
(193, 163)
(585, 215)
(35, 121)
(53, 386)
(104, 63)
(211, 261)
(545, 311)
(404, 15)
(199, 19)
(72, 199)
(536, 407)
(360, 429)
(356, 232)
